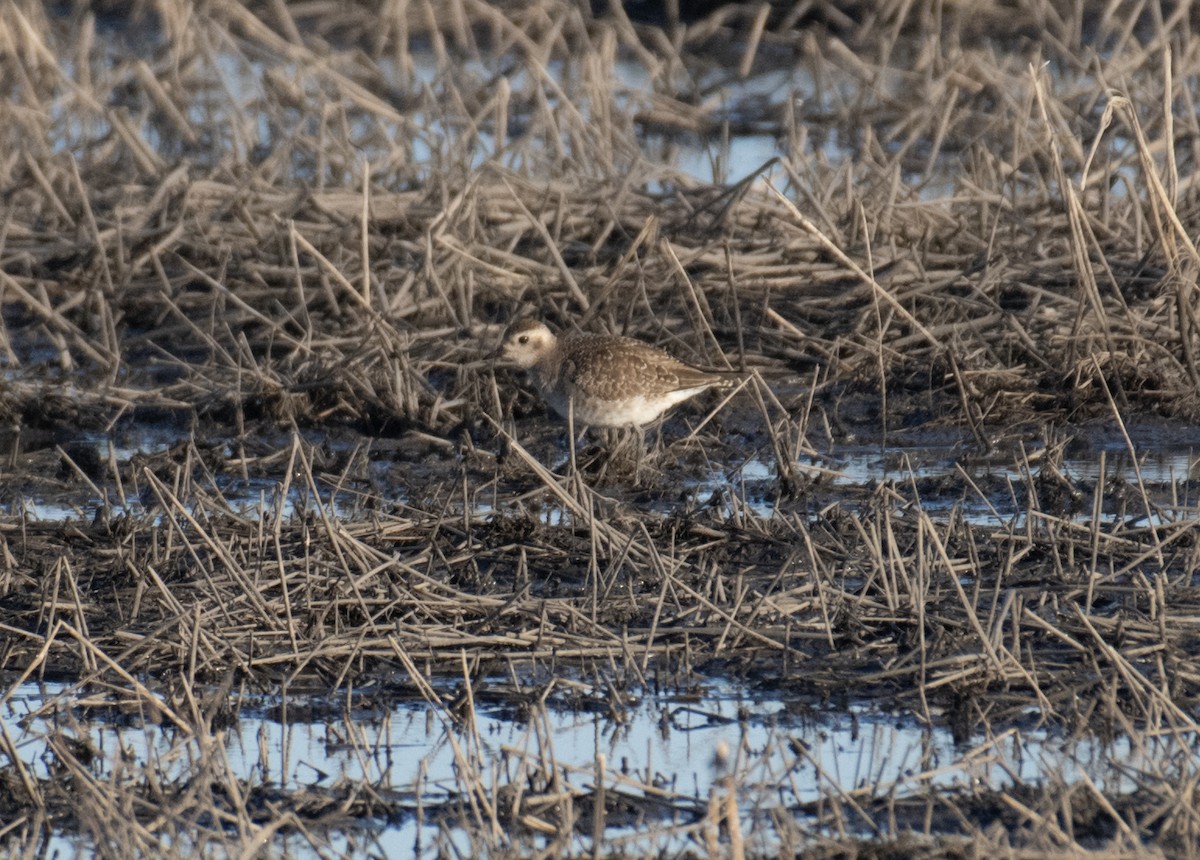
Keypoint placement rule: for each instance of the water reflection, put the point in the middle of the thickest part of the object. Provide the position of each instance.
(1099, 482)
(785, 754)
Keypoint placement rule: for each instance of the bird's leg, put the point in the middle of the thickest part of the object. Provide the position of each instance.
(575, 440)
(571, 434)
(639, 453)
(627, 450)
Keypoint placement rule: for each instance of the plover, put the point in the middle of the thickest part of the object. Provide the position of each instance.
(605, 380)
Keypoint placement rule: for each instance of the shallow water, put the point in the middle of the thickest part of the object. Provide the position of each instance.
(785, 753)
(995, 488)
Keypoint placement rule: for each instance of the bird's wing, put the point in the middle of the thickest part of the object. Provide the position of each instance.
(612, 368)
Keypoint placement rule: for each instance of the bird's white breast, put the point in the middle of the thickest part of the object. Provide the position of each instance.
(636, 410)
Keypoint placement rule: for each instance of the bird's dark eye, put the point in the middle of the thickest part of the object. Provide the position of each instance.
(523, 339)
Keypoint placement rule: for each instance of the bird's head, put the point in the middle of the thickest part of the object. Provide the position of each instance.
(526, 342)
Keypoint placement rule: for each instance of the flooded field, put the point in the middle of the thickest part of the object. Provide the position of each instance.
(659, 765)
(291, 565)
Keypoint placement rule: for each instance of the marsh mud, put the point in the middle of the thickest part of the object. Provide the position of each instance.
(700, 613)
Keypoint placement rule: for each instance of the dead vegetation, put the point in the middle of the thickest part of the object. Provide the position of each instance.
(277, 239)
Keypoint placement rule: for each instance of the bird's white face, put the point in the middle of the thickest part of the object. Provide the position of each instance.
(526, 343)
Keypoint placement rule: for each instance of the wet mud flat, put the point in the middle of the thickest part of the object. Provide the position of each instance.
(288, 565)
(968, 601)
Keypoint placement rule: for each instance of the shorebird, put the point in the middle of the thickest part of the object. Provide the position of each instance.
(603, 380)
